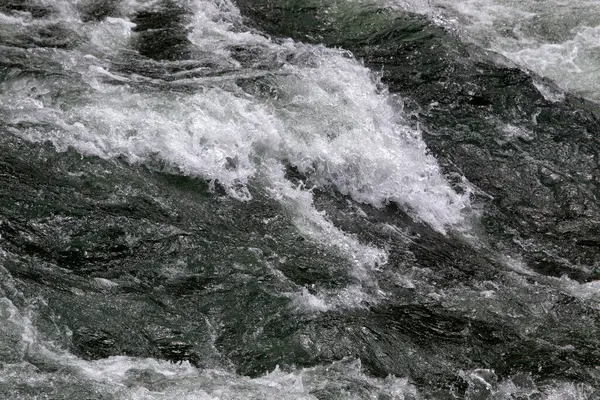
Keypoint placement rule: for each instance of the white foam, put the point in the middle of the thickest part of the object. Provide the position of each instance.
(109, 35)
(185, 382)
(125, 377)
(516, 132)
(589, 291)
(343, 132)
(550, 93)
(350, 297)
(485, 384)
(315, 224)
(574, 63)
(326, 115)
(570, 391)
(147, 378)
(329, 120)
(555, 38)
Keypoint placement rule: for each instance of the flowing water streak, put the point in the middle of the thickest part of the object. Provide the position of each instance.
(557, 39)
(245, 111)
(323, 113)
(121, 377)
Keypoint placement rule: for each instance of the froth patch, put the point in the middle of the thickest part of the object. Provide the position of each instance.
(343, 130)
(149, 378)
(559, 40)
(573, 63)
(316, 109)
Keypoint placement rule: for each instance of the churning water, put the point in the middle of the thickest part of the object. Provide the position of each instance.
(265, 199)
(557, 39)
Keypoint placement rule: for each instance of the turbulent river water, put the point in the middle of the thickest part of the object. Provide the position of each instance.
(555, 38)
(332, 199)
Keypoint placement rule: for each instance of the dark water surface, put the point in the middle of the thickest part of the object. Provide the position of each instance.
(284, 199)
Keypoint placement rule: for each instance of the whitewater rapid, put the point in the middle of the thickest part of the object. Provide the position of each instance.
(556, 39)
(329, 231)
(322, 112)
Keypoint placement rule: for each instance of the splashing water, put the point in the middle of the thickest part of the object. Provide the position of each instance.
(557, 39)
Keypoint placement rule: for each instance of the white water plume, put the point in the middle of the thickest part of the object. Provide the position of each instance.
(323, 113)
(557, 39)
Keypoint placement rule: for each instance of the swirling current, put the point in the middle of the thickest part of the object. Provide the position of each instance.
(281, 199)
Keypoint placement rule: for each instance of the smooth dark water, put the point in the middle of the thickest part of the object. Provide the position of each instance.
(280, 199)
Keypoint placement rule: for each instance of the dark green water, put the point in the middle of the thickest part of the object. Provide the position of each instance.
(275, 199)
